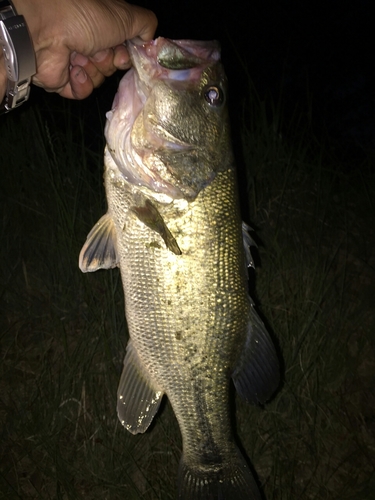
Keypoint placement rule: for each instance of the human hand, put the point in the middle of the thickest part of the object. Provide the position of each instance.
(79, 42)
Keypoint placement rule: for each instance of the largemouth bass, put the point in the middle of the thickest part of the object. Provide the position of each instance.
(173, 227)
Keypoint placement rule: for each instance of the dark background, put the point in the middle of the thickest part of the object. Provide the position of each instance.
(63, 335)
(318, 56)
(313, 52)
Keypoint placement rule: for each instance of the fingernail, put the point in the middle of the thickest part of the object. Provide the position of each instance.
(100, 56)
(81, 76)
(123, 63)
(78, 59)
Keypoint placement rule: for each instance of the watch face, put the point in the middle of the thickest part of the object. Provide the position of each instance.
(19, 57)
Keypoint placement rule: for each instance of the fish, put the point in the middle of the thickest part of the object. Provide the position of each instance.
(174, 229)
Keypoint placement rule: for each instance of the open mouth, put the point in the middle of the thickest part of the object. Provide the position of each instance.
(171, 59)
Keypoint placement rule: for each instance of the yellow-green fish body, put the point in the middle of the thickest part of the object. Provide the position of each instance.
(174, 229)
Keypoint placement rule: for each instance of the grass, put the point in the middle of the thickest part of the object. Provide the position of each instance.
(63, 334)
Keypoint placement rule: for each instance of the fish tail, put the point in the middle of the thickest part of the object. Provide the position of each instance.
(230, 481)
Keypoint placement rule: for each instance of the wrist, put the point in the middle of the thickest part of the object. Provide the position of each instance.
(31, 11)
(46, 21)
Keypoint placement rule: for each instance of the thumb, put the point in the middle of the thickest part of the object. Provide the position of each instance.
(135, 21)
(146, 26)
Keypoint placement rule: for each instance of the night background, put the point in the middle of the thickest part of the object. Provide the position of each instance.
(317, 53)
(318, 57)
(302, 109)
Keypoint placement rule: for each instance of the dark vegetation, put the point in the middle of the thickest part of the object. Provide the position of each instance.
(307, 189)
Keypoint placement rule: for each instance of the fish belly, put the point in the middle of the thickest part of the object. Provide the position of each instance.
(187, 317)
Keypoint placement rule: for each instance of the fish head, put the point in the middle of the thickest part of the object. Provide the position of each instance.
(168, 130)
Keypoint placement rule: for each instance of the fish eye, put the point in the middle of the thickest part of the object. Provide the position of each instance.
(214, 95)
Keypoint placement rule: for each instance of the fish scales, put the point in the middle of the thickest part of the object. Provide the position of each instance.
(187, 314)
(179, 243)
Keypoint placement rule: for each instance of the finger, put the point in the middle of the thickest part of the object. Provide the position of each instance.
(121, 59)
(79, 86)
(103, 61)
(77, 59)
(145, 25)
(95, 70)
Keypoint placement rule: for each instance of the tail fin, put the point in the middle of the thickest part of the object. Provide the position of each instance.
(229, 481)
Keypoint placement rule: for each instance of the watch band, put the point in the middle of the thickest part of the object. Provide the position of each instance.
(18, 55)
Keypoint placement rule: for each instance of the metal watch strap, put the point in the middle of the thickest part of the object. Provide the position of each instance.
(18, 55)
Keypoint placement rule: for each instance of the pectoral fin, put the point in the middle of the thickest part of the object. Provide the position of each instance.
(99, 251)
(150, 216)
(137, 399)
(257, 374)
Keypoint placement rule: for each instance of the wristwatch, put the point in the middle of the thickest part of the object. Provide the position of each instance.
(18, 55)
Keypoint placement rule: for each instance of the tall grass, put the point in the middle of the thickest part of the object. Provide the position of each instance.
(63, 334)
(316, 439)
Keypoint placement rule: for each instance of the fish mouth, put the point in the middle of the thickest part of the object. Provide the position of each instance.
(144, 149)
(172, 56)
(173, 60)
(167, 59)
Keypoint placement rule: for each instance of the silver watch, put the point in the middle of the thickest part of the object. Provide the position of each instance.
(18, 55)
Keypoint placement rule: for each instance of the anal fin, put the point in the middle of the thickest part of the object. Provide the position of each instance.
(137, 399)
(257, 374)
